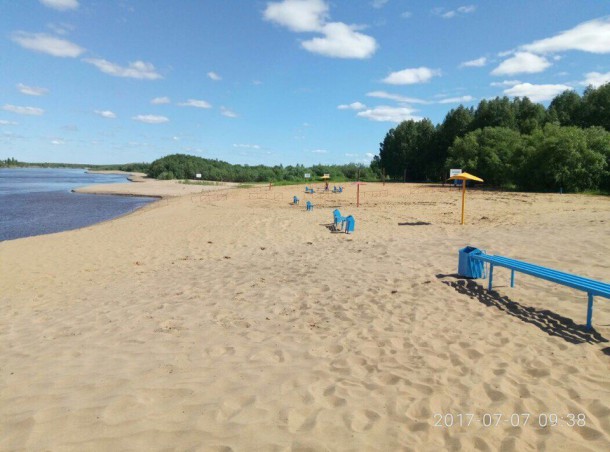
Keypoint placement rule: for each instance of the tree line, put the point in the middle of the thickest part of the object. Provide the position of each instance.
(515, 144)
(128, 167)
(182, 166)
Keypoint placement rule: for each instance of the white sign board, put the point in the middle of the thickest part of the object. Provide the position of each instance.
(307, 175)
(326, 176)
(198, 175)
(455, 172)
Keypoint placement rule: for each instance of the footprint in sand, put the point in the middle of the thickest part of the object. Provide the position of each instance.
(361, 420)
(299, 420)
(217, 351)
(494, 395)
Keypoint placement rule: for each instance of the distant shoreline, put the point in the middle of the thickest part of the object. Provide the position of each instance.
(144, 186)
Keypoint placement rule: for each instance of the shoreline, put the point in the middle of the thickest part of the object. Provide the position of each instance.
(141, 186)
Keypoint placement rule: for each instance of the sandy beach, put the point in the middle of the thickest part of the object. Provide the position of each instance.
(234, 321)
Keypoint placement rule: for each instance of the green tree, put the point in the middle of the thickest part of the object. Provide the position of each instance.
(456, 124)
(566, 108)
(596, 107)
(488, 153)
(498, 112)
(561, 158)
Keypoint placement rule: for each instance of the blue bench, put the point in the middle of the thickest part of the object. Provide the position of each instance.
(309, 205)
(592, 287)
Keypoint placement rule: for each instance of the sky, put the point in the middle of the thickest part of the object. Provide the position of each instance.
(273, 82)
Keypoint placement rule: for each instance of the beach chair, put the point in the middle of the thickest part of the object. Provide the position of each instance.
(338, 220)
(295, 200)
(350, 224)
(309, 205)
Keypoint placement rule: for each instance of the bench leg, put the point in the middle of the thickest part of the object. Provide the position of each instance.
(491, 276)
(589, 311)
(512, 278)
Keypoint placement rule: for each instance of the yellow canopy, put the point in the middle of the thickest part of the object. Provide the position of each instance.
(466, 176)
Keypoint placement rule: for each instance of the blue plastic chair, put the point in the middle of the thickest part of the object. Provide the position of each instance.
(338, 220)
(309, 205)
(350, 224)
(295, 200)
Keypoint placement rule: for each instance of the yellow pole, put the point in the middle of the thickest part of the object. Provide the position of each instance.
(463, 198)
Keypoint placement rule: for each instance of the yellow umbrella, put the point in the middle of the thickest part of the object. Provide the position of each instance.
(465, 177)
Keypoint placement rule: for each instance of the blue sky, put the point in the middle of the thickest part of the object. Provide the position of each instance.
(293, 81)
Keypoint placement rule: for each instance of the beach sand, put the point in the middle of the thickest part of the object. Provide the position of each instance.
(237, 321)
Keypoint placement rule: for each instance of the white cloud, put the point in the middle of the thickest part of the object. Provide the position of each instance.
(384, 113)
(137, 69)
(4, 122)
(536, 93)
(467, 9)
(378, 3)
(592, 36)
(195, 103)
(411, 76)
(449, 14)
(352, 106)
(505, 83)
(479, 62)
(60, 29)
(247, 146)
(228, 113)
(106, 114)
(60, 5)
(57, 141)
(406, 14)
(319, 151)
(214, 76)
(522, 62)
(456, 100)
(160, 100)
(44, 43)
(341, 41)
(596, 79)
(30, 111)
(298, 15)
(32, 90)
(396, 97)
(150, 119)
(338, 40)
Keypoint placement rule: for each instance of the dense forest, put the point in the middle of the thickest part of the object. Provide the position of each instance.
(515, 144)
(181, 166)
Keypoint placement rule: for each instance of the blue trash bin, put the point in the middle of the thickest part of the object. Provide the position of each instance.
(350, 224)
(470, 268)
